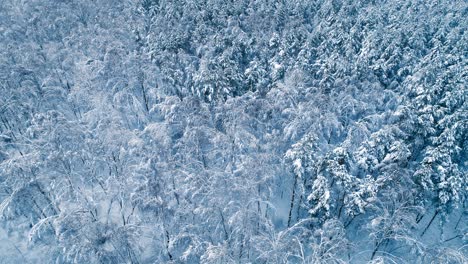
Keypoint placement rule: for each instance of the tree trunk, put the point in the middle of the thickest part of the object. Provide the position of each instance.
(430, 222)
(167, 245)
(145, 98)
(293, 197)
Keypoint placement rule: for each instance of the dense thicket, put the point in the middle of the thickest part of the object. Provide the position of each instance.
(266, 131)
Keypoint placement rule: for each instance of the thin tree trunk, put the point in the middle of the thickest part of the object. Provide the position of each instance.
(241, 250)
(145, 98)
(167, 245)
(375, 250)
(226, 236)
(293, 197)
(458, 222)
(342, 205)
(419, 217)
(430, 222)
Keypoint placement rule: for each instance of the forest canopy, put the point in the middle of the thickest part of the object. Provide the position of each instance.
(248, 131)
